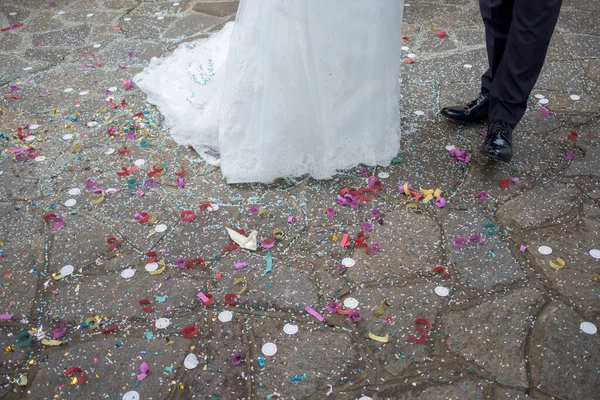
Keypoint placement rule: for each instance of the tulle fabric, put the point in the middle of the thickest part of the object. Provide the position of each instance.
(293, 87)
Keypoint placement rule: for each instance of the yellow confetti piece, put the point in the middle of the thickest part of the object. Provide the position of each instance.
(263, 211)
(379, 310)
(334, 238)
(76, 148)
(159, 270)
(50, 342)
(74, 380)
(428, 198)
(58, 276)
(410, 206)
(597, 276)
(426, 192)
(92, 322)
(99, 199)
(406, 189)
(22, 380)
(559, 264)
(244, 283)
(153, 217)
(278, 233)
(381, 339)
(437, 193)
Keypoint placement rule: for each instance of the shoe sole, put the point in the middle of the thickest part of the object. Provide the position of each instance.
(496, 158)
(457, 121)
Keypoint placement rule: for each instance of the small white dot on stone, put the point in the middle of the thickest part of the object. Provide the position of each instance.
(419, 113)
(411, 55)
(160, 18)
(405, 48)
(68, 90)
(127, 19)
(27, 68)
(575, 97)
(539, 96)
(90, 15)
(544, 101)
(468, 66)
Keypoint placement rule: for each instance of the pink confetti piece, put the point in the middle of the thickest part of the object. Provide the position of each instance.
(523, 248)
(441, 34)
(515, 180)
(202, 297)
(475, 239)
(144, 367)
(59, 224)
(314, 314)
(332, 306)
(366, 226)
(181, 182)
(461, 155)
(291, 219)
(127, 83)
(375, 213)
(241, 265)
(45, 94)
(5, 317)
(237, 359)
(180, 262)
(131, 53)
(374, 248)
(482, 195)
(330, 212)
(570, 156)
(544, 112)
(458, 243)
(364, 172)
(440, 202)
(253, 211)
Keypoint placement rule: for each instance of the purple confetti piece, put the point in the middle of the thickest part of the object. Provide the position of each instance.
(459, 242)
(354, 317)
(570, 156)
(14, 88)
(375, 213)
(332, 306)
(330, 212)
(374, 248)
(291, 219)
(5, 317)
(45, 94)
(180, 262)
(482, 195)
(237, 359)
(440, 202)
(59, 332)
(241, 265)
(544, 111)
(523, 248)
(364, 172)
(314, 313)
(253, 211)
(366, 226)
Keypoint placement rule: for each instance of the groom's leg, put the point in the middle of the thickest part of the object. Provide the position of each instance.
(525, 51)
(497, 16)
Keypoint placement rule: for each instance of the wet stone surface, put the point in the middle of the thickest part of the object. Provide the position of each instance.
(344, 294)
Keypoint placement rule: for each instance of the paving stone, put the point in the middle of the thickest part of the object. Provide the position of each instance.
(577, 21)
(562, 354)
(483, 266)
(572, 242)
(558, 75)
(584, 46)
(10, 42)
(462, 389)
(146, 27)
(540, 207)
(217, 9)
(189, 25)
(73, 36)
(117, 368)
(478, 334)
(12, 68)
(342, 364)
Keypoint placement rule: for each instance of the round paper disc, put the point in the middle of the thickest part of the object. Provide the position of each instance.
(383, 175)
(75, 191)
(225, 316)
(127, 273)
(539, 96)
(595, 253)
(575, 97)
(30, 138)
(70, 202)
(545, 250)
(588, 328)
(112, 89)
(160, 228)
(269, 349)
(351, 303)
(442, 291)
(544, 101)
(132, 395)
(40, 158)
(190, 361)
(139, 162)
(33, 126)
(151, 267)
(419, 113)
(348, 262)
(68, 90)
(84, 93)
(290, 329)
(162, 323)
(67, 270)
(91, 124)
(68, 136)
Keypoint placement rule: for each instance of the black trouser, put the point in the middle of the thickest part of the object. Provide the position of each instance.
(518, 34)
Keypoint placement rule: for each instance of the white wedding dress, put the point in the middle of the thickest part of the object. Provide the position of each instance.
(292, 87)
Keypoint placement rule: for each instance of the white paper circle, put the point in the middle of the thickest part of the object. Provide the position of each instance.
(70, 202)
(68, 90)
(545, 250)
(365, 398)
(91, 124)
(112, 89)
(160, 18)
(27, 68)
(33, 127)
(127, 19)
(12, 13)
(160, 228)
(127, 273)
(383, 175)
(40, 158)
(90, 15)
(411, 55)
(595, 253)
(290, 329)
(111, 190)
(67, 270)
(544, 101)
(575, 97)
(269, 349)
(139, 162)
(589, 328)
(109, 152)
(151, 267)
(162, 323)
(348, 262)
(405, 48)
(60, 12)
(450, 147)
(539, 96)
(419, 113)
(468, 66)
(225, 316)
(30, 138)
(190, 361)
(68, 136)
(442, 291)
(75, 191)
(351, 303)
(175, 4)
(132, 395)
(84, 93)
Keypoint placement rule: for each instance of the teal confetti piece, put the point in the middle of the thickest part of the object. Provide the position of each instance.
(160, 299)
(269, 263)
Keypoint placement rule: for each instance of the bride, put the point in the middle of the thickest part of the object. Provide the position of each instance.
(292, 87)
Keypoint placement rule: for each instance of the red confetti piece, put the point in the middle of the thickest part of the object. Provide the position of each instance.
(187, 215)
(124, 171)
(72, 371)
(152, 257)
(505, 183)
(110, 328)
(123, 151)
(196, 261)
(189, 331)
(441, 34)
(112, 103)
(438, 269)
(146, 305)
(230, 299)
(180, 174)
(113, 243)
(572, 136)
(418, 328)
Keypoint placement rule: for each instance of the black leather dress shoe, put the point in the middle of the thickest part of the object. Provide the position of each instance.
(497, 144)
(475, 111)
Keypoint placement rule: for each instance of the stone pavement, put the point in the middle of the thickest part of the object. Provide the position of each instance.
(510, 327)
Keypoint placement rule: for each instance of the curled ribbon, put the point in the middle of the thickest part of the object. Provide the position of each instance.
(195, 261)
(419, 321)
(99, 199)
(113, 243)
(146, 305)
(72, 371)
(92, 322)
(382, 339)
(53, 218)
(230, 299)
(110, 328)
(244, 283)
(180, 173)
(206, 299)
(441, 270)
(187, 215)
(159, 270)
(189, 331)
(152, 257)
(51, 342)
(559, 264)
(24, 339)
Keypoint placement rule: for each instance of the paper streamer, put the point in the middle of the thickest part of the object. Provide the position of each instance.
(314, 314)
(269, 263)
(244, 283)
(381, 339)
